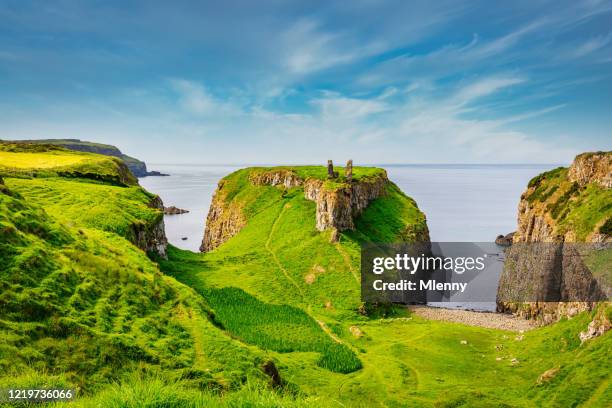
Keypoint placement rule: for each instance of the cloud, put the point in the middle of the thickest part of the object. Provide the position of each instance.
(588, 47)
(446, 60)
(484, 87)
(336, 106)
(310, 49)
(196, 99)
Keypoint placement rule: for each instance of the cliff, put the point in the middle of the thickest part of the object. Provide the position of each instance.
(84, 189)
(338, 202)
(137, 167)
(224, 220)
(564, 220)
(151, 236)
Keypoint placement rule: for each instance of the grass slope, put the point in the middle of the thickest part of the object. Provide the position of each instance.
(81, 307)
(282, 264)
(92, 205)
(39, 160)
(583, 210)
(91, 309)
(137, 167)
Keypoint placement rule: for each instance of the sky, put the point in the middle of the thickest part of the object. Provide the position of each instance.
(305, 81)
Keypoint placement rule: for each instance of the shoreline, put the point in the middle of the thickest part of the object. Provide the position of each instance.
(490, 320)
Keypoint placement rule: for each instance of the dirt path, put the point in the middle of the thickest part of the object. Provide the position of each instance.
(472, 318)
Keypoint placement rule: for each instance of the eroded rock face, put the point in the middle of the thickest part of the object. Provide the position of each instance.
(598, 326)
(286, 178)
(592, 168)
(152, 238)
(552, 271)
(224, 220)
(533, 226)
(338, 207)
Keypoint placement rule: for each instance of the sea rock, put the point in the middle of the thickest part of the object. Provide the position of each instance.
(504, 240)
(172, 210)
(154, 173)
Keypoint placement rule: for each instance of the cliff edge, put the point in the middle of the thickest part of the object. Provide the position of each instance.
(557, 264)
(137, 167)
(339, 201)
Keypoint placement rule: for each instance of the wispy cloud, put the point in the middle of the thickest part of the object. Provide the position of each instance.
(484, 87)
(587, 47)
(196, 99)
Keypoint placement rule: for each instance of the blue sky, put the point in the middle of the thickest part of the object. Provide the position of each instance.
(301, 82)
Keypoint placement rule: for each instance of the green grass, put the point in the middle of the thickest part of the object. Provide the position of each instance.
(413, 362)
(137, 166)
(36, 160)
(157, 391)
(93, 312)
(122, 210)
(583, 210)
(85, 307)
(279, 328)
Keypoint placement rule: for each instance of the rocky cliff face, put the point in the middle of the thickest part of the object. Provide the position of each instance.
(545, 275)
(151, 238)
(338, 206)
(337, 203)
(224, 220)
(592, 168)
(282, 177)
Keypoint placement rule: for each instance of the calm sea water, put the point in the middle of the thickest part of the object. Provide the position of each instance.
(463, 203)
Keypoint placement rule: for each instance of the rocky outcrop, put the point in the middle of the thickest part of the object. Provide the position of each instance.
(172, 210)
(504, 240)
(592, 168)
(546, 275)
(151, 238)
(598, 326)
(282, 177)
(338, 206)
(224, 220)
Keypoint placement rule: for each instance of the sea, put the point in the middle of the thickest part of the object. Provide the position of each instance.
(462, 202)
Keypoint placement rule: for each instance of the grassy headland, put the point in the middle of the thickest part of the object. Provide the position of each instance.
(83, 307)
